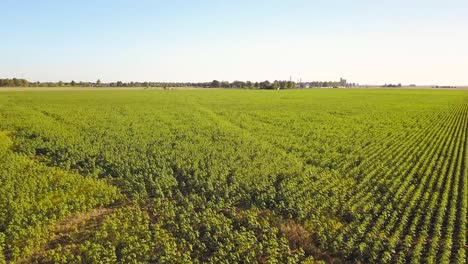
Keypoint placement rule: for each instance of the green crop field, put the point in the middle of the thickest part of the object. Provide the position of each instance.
(233, 176)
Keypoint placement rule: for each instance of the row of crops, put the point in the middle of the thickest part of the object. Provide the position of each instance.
(238, 176)
(33, 197)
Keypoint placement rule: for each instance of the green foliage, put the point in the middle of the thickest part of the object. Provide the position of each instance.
(33, 197)
(235, 176)
(2, 247)
(129, 235)
(14, 82)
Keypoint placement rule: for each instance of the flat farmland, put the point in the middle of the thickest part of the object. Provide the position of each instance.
(209, 176)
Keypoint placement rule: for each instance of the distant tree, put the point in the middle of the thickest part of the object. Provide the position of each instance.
(215, 84)
(266, 85)
(225, 84)
(238, 84)
(23, 83)
(276, 85)
(16, 82)
(98, 82)
(283, 85)
(72, 83)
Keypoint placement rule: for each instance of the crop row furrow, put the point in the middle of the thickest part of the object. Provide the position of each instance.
(398, 154)
(402, 193)
(404, 230)
(360, 227)
(375, 148)
(442, 204)
(400, 158)
(421, 176)
(415, 253)
(456, 225)
(408, 231)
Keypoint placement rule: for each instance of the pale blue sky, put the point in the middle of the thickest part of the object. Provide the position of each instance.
(366, 41)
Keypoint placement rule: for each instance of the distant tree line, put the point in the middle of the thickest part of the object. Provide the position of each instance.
(392, 85)
(444, 86)
(13, 82)
(276, 85)
(265, 85)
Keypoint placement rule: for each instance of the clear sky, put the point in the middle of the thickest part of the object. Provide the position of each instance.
(365, 41)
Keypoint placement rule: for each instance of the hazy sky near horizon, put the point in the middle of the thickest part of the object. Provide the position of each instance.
(365, 41)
